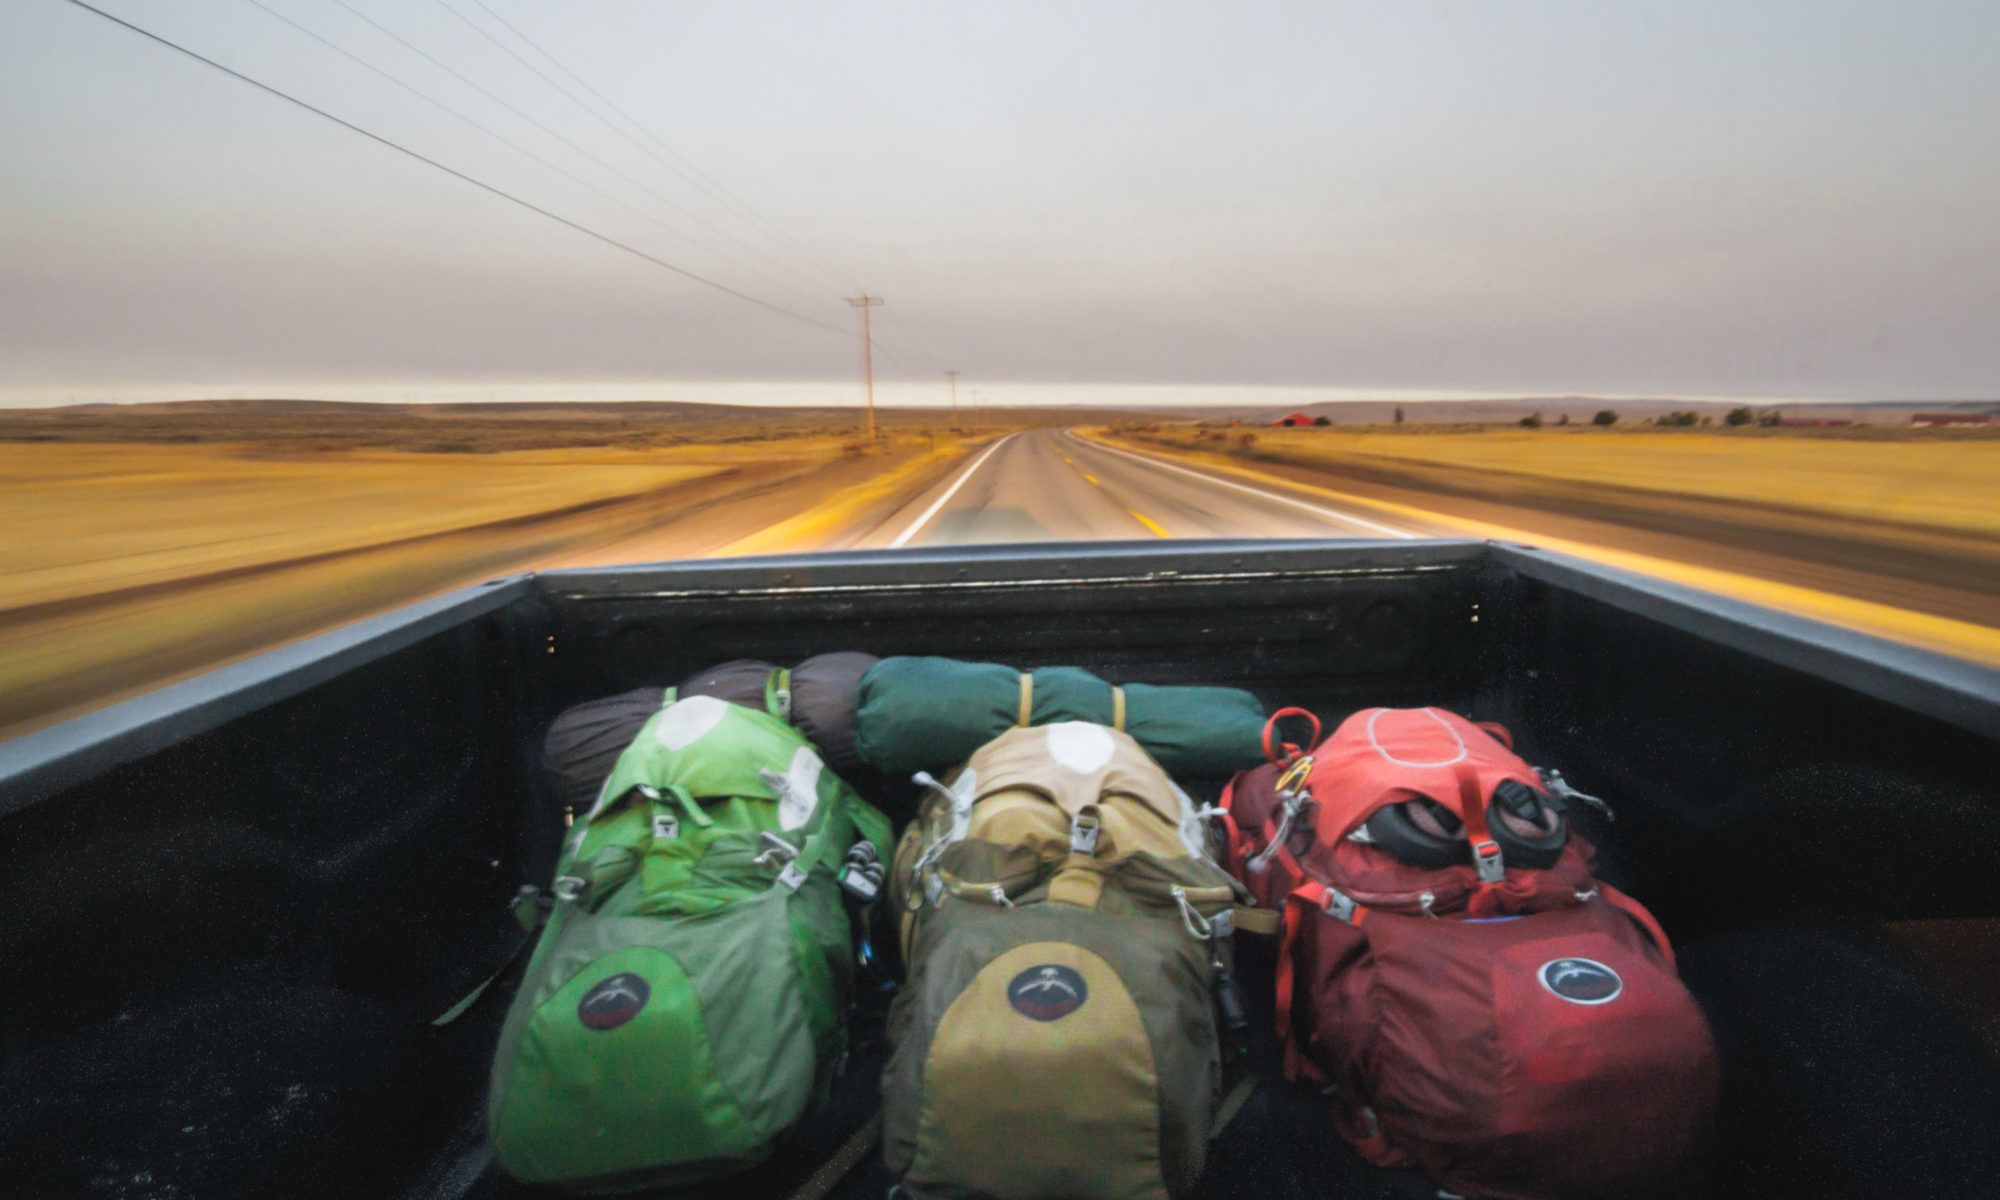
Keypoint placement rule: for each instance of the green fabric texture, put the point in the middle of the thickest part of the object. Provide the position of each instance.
(684, 1005)
(930, 714)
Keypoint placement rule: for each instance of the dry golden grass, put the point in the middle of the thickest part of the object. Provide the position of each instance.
(81, 519)
(1951, 483)
(133, 561)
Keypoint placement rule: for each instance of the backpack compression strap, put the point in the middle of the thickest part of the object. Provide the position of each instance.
(1486, 856)
(1309, 897)
(1025, 714)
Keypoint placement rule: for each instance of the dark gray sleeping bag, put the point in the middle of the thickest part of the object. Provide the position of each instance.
(818, 696)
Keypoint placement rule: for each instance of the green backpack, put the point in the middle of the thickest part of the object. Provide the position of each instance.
(685, 1004)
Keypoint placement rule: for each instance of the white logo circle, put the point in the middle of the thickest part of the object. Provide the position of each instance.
(1580, 980)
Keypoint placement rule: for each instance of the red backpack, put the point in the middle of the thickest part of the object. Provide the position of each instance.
(1482, 1006)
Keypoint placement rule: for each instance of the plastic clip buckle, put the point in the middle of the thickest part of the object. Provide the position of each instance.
(861, 883)
(1339, 904)
(1083, 835)
(1492, 866)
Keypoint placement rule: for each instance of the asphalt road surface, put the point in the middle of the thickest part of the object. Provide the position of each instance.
(1050, 485)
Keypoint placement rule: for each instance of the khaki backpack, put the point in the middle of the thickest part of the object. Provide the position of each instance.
(1065, 934)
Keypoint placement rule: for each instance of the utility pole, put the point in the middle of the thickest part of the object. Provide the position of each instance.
(954, 399)
(864, 302)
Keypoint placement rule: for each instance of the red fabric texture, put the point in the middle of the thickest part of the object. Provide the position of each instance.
(1526, 1039)
(1382, 756)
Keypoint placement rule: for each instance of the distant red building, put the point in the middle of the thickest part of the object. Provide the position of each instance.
(1292, 420)
(1965, 418)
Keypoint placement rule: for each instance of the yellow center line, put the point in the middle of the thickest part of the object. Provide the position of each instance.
(1140, 517)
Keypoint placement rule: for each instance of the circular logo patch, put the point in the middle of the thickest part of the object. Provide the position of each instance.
(1047, 993)
(1581, 981)
(614, 1001)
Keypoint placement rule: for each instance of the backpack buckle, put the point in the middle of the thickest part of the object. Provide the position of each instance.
(862, 873)
(1487, 858)
(1339, 904)
(1083, 833)
(666, 827)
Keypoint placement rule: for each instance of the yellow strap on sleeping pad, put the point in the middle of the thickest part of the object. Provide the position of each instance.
(778, 694)
(1118, 708)
(1027, 699)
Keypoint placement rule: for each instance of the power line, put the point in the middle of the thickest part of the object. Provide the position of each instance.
(463, 79)
(692, 173)
(457, 174)
(680, 165)
(447, 68)
(482, 31)
(904, 331)
(507, 141)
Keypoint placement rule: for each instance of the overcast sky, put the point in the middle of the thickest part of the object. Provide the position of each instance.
(1742, 198)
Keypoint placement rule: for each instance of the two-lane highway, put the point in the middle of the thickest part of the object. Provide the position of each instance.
(1051, 485)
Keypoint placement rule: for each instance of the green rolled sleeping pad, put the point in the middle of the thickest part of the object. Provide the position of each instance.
(930, 714)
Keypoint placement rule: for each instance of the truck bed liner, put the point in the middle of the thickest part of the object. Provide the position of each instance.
(233, 904)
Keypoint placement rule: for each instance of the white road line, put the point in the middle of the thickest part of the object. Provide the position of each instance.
(1337, 515)
(940, 502)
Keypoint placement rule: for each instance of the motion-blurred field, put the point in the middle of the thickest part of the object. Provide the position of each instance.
(1898, 520)
(1946, 481)
(82, 519)
(1943, 478)
(141, 543)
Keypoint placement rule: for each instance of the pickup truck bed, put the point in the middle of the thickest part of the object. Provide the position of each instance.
(232, 906)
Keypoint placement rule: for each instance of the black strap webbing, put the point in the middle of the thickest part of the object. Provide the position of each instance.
(845, 1159)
